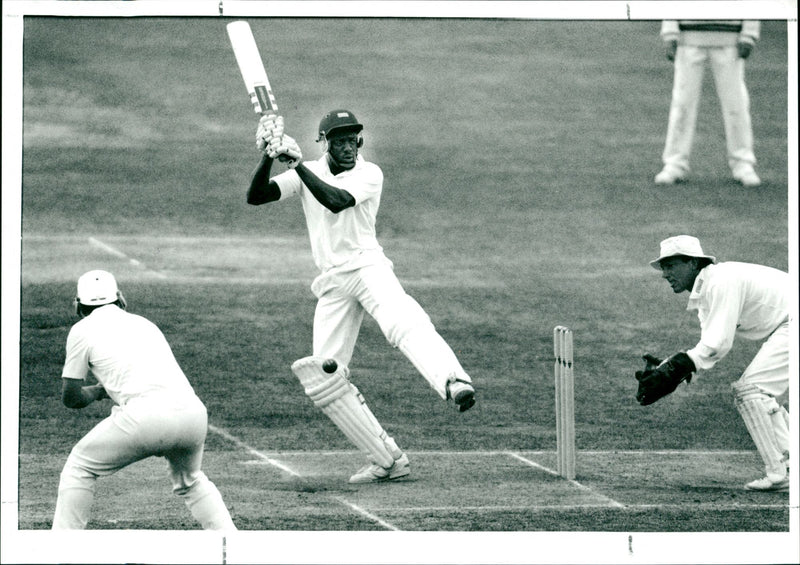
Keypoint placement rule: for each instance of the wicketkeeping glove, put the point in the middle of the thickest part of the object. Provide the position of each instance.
(269, 126)
(661, 378)
(286, 149)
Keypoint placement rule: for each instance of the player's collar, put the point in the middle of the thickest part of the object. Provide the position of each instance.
(698, 286)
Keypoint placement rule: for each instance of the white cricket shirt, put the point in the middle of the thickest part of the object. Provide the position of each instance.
(711, 33)
(127, 354)
(736, 299)
(347, 239)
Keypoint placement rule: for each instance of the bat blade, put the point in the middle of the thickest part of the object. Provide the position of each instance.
(251, 67)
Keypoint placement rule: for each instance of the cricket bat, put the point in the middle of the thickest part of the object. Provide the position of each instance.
(253, 72)
(252, 68)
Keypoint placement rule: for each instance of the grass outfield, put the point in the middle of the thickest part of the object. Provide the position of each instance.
(518, 158)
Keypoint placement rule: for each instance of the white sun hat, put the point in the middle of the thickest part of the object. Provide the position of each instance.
(96, 288)
(681, 245)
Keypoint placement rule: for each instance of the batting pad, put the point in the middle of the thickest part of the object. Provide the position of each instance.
(764, 421)
(340, 401)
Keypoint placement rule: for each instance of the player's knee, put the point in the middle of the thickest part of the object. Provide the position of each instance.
(744, 391)
(320, 386)
(75, 475)
(186, 483)
(408, 317)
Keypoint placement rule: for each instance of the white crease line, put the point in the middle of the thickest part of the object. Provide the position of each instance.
(294, 473)
(548, 507)
(572, 481)
(117, 253)
(708, 505)
(369, 515)
(532, 463)
(251, 451)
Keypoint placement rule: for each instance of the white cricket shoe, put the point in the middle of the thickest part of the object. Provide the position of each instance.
(372, 473)
(767, 484)
(462, 394)
(747, 178)
(669, 176)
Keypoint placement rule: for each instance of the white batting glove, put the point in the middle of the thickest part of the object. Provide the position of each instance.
(269, 126)
(284, 148)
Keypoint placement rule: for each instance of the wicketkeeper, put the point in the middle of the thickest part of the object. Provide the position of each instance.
(732, 299)
(340, 194)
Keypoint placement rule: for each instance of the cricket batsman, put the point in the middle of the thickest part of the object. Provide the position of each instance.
(732, 299)
(340, 194)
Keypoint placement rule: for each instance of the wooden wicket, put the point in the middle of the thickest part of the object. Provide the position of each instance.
(565, 401)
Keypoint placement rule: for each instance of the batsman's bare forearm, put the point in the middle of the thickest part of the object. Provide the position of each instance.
(261, 190)
(333, 198)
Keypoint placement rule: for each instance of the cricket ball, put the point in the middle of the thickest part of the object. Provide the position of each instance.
(329, 365)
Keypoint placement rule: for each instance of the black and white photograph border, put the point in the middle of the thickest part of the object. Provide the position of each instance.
(388, 546)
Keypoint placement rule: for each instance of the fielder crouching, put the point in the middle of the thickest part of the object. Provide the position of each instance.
(732, 299)
(340, 194)
(156, 411)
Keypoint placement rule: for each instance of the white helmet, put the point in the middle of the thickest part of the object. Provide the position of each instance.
(96, 288)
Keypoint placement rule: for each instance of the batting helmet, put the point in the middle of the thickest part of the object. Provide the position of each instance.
(338, 120)
(96, 288)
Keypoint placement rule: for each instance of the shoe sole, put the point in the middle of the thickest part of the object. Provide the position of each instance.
(390, 477)
(404, 472)
(770, 489)
(367, 481)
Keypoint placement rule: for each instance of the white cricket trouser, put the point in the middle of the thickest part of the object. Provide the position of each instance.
(728, 70)
(758, 390)
(769, 369)
(343, 299)
(141, 429)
